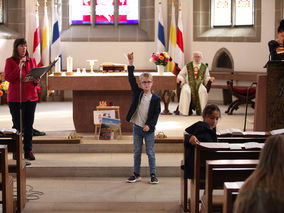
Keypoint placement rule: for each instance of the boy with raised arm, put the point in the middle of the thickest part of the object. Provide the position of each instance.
(143, 113)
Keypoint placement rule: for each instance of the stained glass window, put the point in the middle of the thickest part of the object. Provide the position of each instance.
(81, 11)
(221, 13)
(104, 11)
(244, 12)
(128, 11)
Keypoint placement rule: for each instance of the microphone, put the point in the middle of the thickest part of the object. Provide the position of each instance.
(22, 64)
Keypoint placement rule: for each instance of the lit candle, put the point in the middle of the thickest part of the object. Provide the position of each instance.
(69, 64)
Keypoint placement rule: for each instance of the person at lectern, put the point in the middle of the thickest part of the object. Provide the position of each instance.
(22, 94)
(276, 47)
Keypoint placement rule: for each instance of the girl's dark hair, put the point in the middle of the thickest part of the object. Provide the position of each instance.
(209, 109)
(281, 26)
(18, 42)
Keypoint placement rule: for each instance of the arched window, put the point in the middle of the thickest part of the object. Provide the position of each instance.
(223, 60)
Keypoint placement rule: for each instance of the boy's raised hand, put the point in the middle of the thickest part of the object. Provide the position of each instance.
(130, 57)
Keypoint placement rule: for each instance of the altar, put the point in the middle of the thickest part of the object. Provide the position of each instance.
(90, 88)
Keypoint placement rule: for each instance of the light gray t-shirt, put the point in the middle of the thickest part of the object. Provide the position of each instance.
(141, 114)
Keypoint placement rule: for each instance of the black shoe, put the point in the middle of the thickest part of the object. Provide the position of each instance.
(134, 178)
(154, 179)
(29, 155)
(28, 163)
(38, 133)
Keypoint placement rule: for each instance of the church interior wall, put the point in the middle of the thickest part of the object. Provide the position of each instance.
(247, 56)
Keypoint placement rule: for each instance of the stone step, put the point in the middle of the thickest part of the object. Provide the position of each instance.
(100, 165)
(103, 147)
(103, 195)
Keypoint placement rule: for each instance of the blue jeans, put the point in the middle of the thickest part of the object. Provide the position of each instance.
(138, 135)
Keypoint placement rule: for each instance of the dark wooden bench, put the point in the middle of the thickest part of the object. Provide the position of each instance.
(231, 190)
(213, 151)
(203, 152)
(226, 139)
(18, 166)
(6, 185)
(220, 171)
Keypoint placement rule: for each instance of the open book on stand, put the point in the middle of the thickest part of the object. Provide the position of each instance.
(37, 73)
(238, 132)
(277, 132)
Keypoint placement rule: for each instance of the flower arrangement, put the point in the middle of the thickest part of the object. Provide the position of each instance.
(160, 58)
(4, 87)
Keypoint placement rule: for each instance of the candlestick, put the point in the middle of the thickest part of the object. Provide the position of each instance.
(69, 64)
(92, 63)
(58, 65)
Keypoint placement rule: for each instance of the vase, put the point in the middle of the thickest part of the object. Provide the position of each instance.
(160, 69)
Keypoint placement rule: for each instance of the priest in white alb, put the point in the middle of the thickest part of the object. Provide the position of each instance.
(194, 78)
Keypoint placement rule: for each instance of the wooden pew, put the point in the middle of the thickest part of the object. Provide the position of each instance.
(220, 171)
(231, 140)
(14, 143)
(6, 185)
(231, 190)
(213, 151)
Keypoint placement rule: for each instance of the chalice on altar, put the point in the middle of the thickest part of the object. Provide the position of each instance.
(92, 63)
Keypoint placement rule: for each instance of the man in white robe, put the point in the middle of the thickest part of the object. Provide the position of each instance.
(193, 78)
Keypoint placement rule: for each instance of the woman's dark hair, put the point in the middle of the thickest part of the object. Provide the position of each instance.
(281, 26)
(209, 109)
(17, 42)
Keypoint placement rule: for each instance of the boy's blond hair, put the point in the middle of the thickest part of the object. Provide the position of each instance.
(145, 75)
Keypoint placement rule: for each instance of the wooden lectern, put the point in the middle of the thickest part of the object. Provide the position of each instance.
(275, 95)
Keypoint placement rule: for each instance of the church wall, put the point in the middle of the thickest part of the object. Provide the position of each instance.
(247, 56)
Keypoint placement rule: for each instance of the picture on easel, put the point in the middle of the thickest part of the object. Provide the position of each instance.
(99, 114)
(110, 129)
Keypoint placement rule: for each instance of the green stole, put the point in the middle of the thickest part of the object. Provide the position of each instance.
(195, 83)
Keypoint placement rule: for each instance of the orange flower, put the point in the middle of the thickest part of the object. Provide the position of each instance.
(161, 57)
(1, 86)
(1, 92)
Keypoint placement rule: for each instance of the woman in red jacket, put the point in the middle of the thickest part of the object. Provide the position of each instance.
(20, 64)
